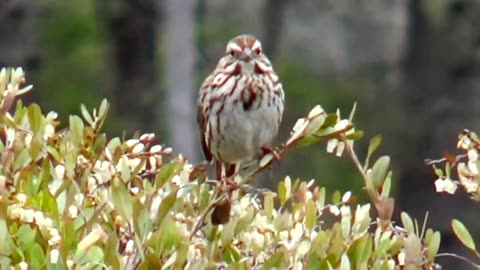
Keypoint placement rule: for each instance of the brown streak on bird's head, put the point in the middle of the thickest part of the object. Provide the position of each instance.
(244, 47)
(245, 41)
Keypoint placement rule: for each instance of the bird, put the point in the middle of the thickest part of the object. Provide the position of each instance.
(240, 107)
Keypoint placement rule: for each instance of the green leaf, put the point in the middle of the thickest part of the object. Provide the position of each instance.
(36, 256)
(372, 147)
(166, 237)
(26, 237)
(113, 144)
(315, 123)
(282, 192)
(103, 109)
(165, 206)
(387, 185)
(274, 262)
(22, 160)
(407, 223)
(7, 245)
(35, 147)
(228, 232)
(437, 171)
(462, 234)
(310, 214)
(358, 134)
(165, 174)
(268, 205)
(352, 113)
(336, 197)
(231, 254)
(379, 171)
(86, 115)
(314, 262)
(245, 221)
(182, 253)
(433, 246)
(141, 220)
(76, 130)
(121, 199)
(330, 121)
(35, 117)
(321, 198)
(447, 169)
(307, 141)
(360, 250)
(94, 254)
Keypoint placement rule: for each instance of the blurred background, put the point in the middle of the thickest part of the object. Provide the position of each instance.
(413, 66)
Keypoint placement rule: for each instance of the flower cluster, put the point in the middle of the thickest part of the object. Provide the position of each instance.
(466, 165)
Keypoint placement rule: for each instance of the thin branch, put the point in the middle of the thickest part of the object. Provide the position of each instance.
(477, 266)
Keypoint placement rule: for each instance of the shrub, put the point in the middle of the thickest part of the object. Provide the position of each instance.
(74, 198)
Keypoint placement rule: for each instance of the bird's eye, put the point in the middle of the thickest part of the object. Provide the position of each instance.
(231, 53)
(258, 51)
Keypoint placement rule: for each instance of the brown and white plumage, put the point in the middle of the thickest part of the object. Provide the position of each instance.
(240, 106)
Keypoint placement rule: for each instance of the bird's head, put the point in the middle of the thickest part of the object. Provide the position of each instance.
(247, 53)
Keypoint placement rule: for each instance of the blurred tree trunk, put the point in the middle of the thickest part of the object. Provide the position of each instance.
(180, 109)
(274, 11)
(130, 31)
(438, 85)
(18, 20)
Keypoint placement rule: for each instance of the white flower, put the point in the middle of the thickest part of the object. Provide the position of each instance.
(138, 148)
(10, 137)
(297, 232)
(28, 139)
(346, 196)
(331, 145)
(21, 198)
(48, 132)
(303, 248)
(51, 116)
(54, 255)
(445, 185)
(153, 163)
(193, 254)
(401, 258)
(28, 215)
(23, 266)
(334, 210)
(258, 239)
(246, 238)
(147, 136)
(54, 237)
(283, 235)
(60, 171)
(131, 142)
(134, 162)
(72, 211)
(156, 148)
(129, 247)
(79, 198)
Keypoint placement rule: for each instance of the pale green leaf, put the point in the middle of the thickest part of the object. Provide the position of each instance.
(463, 234)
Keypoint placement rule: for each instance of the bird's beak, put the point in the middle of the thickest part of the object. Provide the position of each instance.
(246, 55)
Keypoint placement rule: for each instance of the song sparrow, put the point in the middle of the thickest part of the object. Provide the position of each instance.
(240, 107)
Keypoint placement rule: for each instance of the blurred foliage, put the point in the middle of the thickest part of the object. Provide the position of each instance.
(76, 199)
(72, 56)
